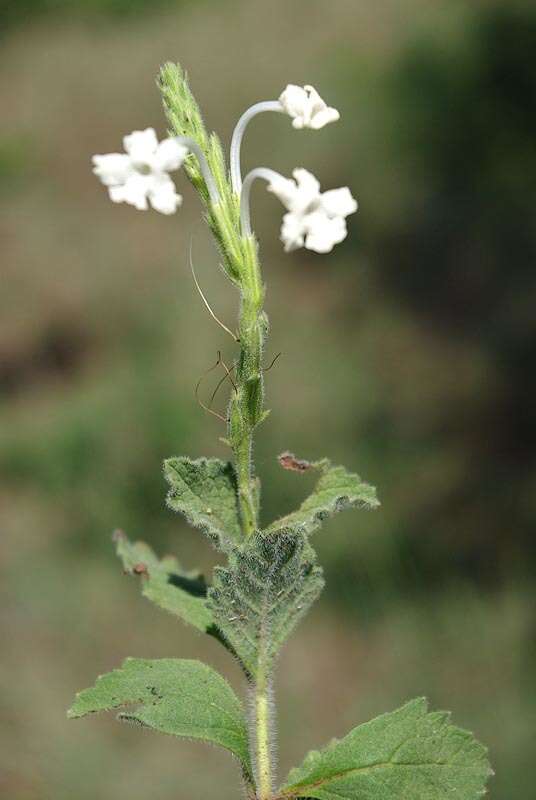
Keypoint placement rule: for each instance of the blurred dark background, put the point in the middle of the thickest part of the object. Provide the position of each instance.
(407, 355)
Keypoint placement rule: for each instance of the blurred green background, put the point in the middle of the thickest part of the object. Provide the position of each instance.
(407, 355)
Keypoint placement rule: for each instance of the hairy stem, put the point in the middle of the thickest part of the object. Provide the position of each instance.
(245, 413)
(246, 407)
(262, 739)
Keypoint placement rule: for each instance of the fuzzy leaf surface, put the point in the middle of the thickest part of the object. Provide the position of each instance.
(204, 491)
(259, 598)
(336, 490)
(408, 753)
(166, 584)
(178, 697)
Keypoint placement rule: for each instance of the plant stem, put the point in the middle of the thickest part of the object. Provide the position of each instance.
(245, 413)
(246, 407)
(262, 735)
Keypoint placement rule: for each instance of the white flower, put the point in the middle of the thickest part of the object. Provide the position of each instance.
(306, 107)
(315, 219)
(141, 175)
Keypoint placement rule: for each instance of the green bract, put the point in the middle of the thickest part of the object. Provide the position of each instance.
(271, 577)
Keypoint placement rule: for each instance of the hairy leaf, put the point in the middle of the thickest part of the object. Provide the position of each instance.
(336, 490)
(179, 697)
(205, 492)
(408, 753)
(258, 599)
(166, 584)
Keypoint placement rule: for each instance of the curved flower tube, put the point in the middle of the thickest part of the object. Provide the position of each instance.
(266, 174)
(302, 103)
(238, 135)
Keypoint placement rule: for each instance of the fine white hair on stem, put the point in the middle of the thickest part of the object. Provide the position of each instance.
(265, 174)
(272, 731)
(206, 172)
(238, 134)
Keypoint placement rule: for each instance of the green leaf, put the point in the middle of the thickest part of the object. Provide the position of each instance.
(336, 490)
(178, 697)
(205, 492)
(166, 584)
(258, 599)
(409, 754)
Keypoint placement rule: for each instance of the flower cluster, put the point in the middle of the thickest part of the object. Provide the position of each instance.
(314, 219)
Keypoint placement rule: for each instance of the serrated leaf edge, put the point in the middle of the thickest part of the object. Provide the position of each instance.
(299, 791)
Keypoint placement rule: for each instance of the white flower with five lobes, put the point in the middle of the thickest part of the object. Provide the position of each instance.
(315, 220)
(306, 107)
(140, 175)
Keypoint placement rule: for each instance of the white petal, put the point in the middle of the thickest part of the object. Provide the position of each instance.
(324, 232)
(285, 189)
(307, 197)
(319, 113)
(324, 117)
(338, 202)
(294, 100)
(292, 232)
(314, 101)
(113, 168)
(306, 107)
(170, 155)
(134, 192)
(306, 181)
(141, 145)
(163, 196)
(300, 195)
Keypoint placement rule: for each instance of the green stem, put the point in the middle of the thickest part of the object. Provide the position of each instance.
(262, 736)
(245, 413)
(246, 408)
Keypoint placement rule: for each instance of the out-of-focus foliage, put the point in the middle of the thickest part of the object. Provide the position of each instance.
(419, 331)
(462, 257)
(16, 12)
